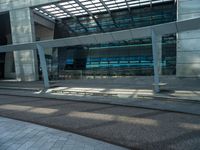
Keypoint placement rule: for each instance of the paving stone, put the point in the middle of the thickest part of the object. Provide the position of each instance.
(132, 127)
(35, 137)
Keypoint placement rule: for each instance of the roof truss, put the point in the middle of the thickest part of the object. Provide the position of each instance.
(75, 8)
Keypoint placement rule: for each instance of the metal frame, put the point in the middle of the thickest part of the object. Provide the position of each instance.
(150, 31)
(68, 27)
(93, 17)
(86, 30)
(109, 13)
(43, 65)
(96, 6)
(129, 11)
(84, 17)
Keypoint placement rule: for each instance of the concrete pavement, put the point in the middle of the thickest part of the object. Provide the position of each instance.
(122, 87)
(180, 94)
(18, 135)
(131, 127)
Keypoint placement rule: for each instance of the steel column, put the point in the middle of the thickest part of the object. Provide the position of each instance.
(155, 50)
(159, 43)
(43, 65)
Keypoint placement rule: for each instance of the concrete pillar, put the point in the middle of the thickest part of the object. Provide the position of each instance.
(22, 29)
(188, 43)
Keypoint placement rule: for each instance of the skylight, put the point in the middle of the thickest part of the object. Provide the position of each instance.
(73, 8)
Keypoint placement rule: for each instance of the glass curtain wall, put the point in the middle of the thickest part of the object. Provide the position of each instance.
(124, 58)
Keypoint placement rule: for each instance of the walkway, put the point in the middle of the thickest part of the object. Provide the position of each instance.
(18, 135)
(131, 127)
(121, 87)
(181, 94)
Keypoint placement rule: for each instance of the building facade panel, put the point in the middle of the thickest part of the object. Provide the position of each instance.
(188, 57)
(189, 70)
(188, 42)
(7, 5)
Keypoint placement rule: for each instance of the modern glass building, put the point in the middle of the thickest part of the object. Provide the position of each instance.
(33, 20)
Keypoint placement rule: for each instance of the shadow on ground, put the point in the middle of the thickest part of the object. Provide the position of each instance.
(131, 127)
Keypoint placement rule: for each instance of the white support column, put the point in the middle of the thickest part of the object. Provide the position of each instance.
(43, 66)
(159, 43)
(155, 50)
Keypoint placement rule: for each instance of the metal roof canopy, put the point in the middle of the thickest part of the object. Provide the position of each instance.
(73, 8)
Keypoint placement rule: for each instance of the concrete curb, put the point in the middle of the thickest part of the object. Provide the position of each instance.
(191, 99)
(19, 88)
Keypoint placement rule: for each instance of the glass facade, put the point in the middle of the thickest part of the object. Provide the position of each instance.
(124, 58)
(122, 20)
(74, 8)
(130, 55)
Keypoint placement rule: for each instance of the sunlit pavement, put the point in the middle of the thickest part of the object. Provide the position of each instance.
(180, 94)
(130, 127)
(120, 87)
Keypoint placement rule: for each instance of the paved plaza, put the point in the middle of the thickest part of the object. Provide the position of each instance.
(130, 127)
(18, 135)
(100, 74)
(179, 94)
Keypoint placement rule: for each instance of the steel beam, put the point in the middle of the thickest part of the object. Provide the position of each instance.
(129, 12)
(43, 20)
(101, 38)
(65, 10)
(93, 17)
(107, 9)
